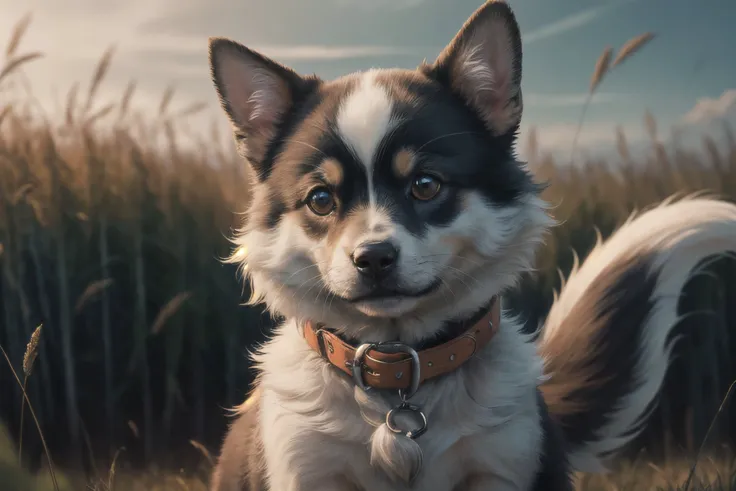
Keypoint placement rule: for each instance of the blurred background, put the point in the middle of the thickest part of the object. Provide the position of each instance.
(119, 187)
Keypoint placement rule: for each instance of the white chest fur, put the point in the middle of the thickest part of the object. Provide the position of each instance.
(484, 423)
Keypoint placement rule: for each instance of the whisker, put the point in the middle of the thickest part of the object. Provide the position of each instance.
(310, 289)
(286, 281)
(447, 286)
(291, 140)
(456, 270)
(463, 282)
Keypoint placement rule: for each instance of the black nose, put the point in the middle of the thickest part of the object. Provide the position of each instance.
(375, 259)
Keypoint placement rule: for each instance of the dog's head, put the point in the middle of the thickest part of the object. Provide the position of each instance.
(387, 201)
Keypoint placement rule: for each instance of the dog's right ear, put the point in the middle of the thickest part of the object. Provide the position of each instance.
(482, 65)
(255, 92)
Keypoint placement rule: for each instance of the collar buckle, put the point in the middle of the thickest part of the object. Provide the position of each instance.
(389, 347)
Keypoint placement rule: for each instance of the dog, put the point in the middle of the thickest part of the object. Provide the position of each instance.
(389, 213)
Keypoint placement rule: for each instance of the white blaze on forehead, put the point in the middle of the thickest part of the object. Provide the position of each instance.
(363, 120)
(364, 117)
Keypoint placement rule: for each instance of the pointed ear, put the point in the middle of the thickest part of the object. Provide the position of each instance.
(256, 92)
(483, 66)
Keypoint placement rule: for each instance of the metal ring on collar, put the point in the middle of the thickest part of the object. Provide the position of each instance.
(407, 407)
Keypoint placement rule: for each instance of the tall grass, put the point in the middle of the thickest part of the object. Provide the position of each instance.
(111, 235)
(110, 231)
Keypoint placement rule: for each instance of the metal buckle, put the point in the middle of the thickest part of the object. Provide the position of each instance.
(321, 342)
(389, 347)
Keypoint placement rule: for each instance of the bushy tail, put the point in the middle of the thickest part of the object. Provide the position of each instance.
(607, 340)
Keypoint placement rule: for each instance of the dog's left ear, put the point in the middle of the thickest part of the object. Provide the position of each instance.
(482, 65)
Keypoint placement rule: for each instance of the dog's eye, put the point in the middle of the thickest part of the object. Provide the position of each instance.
(321, 201)
(425, 187)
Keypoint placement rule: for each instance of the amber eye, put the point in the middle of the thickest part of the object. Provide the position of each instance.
(425, 187)
(321, 201)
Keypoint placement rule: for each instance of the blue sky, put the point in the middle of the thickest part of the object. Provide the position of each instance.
(682, 77)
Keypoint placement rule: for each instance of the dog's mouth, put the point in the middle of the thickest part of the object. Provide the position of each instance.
(384, 293)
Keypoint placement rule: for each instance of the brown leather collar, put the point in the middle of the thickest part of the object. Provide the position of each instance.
(397, 366)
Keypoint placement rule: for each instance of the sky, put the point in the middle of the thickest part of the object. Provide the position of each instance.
(686, 77)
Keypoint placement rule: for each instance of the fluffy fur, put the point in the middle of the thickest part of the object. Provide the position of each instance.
(388, 204)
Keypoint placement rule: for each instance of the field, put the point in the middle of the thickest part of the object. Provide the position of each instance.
(110, 231)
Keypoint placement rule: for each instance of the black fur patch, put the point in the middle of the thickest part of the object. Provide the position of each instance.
(554, 471)
(599, 370)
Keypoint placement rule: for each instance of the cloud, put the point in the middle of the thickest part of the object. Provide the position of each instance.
(571, 22)
(313, 22)
(559, 137)
(708, 109)
(598, 138)
(82, 28)
(175, 45)
(72, 40)
(570, 100)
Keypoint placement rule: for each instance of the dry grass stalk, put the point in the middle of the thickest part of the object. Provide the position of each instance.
(203, 450)
(134, 428)
(724, 401)
(631, 47)
(650, 124)
(190, 110)
(35, 419)
(168, 311)
(166, 100)
(125, 101)
(71, 103)
(182, 483)
(100, 71)
(99, 114)
(21, 193)
(113, 467)
(29, 358)
(92, 290)
(711, 149)
(15, 63)
(16, 35)
(170, 134)
(601, 69)
(4, 113)
(621, 145)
